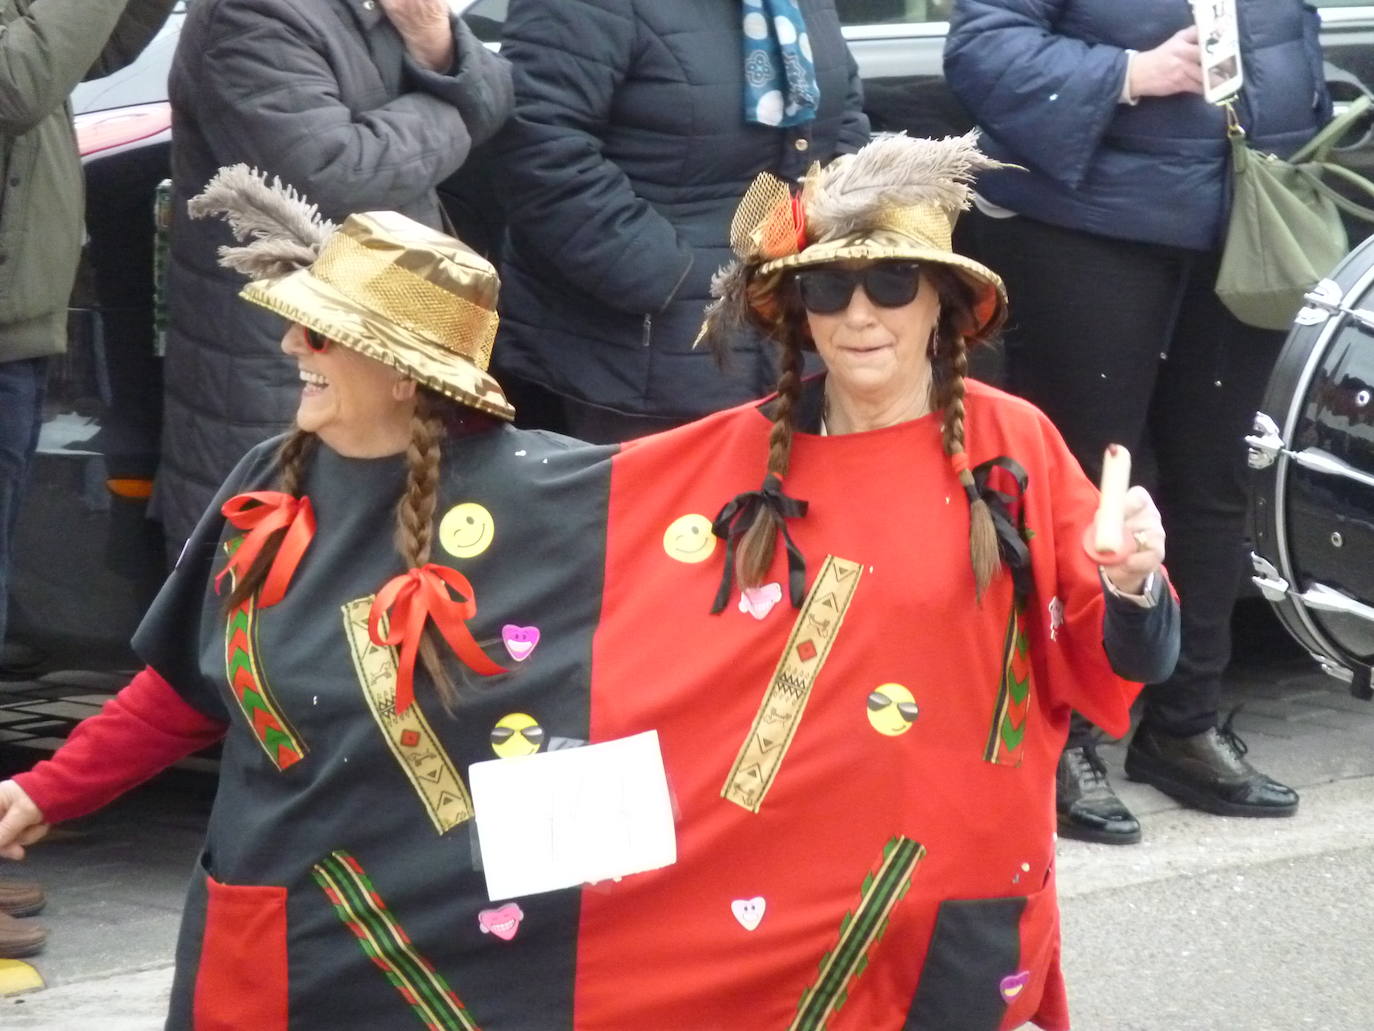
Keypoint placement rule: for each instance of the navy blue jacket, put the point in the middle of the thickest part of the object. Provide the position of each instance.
(621, 169)
(1043, 79)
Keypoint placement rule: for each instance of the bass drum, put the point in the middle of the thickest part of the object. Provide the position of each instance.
(1312, 504)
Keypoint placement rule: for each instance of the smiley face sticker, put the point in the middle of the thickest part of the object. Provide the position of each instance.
(891, 709)
(466, 530)
(515, 735)
(689, 539)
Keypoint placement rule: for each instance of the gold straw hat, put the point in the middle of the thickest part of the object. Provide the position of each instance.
(895, 199)
(382, 284)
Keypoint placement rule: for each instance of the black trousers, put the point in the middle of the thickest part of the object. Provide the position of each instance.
(1126, 342)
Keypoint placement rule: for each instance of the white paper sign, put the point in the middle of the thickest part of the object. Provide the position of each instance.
(560, 819)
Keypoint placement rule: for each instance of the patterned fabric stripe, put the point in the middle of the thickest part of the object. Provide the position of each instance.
(1008, 730)
(881, 891)
(409, 736)
(274, 732)
(818, 624)
(385, 942)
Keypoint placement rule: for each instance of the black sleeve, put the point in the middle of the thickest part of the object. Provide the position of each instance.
(1142, 643)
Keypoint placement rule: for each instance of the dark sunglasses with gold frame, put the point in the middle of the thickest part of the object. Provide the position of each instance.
(828, 290)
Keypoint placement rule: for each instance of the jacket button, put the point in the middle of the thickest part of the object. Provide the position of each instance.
(801, 144)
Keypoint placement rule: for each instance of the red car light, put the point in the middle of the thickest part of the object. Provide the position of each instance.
(104, 130)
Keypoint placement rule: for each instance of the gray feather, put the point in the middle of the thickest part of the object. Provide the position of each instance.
(266, 259)
(286, 230)
(895, 170)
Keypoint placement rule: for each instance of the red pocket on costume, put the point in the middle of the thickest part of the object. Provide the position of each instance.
(242, 980)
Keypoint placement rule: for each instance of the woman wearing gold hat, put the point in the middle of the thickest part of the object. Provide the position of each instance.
(859, 735)
(339, 885)
(862, 739)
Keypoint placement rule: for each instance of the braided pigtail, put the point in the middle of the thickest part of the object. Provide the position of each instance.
(293, 459)
(760, 541)
(414, 534)
(950, 368)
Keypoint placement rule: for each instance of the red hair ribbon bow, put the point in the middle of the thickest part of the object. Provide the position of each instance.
(262, 513)
(407, 601)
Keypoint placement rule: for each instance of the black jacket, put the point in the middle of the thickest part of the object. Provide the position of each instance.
(322, 94)
(622, 167)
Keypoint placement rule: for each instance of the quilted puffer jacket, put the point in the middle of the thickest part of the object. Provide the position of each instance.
(322, 94)
(1043, 79)
(622, 167)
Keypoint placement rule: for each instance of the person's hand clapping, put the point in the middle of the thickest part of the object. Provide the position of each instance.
(425, 29)
(21, 822)
(1175, 66)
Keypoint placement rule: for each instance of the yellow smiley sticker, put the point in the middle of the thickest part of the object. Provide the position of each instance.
(516, 734)
(891, 709)
(689, 538)
(466, 530)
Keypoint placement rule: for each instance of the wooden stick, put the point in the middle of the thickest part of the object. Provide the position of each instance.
(1111, 509)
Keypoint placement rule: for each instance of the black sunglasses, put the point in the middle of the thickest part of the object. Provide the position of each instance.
(889, 284)
(317, 342)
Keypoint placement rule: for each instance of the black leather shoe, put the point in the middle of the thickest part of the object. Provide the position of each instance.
(1207, 771)
(1088, 807)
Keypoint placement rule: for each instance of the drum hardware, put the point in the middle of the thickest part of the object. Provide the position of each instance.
(1270, 584)
(1266, 445)
(1321, 391)
(1322, 300)
(1320, 597)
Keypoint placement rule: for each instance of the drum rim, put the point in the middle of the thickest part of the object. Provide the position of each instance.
(1330, 651)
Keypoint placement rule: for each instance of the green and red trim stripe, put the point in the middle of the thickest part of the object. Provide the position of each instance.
(1008, 731)
(882, 889)
(386, 943)
(270, 726)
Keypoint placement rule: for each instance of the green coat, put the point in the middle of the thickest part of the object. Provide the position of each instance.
(46, 48)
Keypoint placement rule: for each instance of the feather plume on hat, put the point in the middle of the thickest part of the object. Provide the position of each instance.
(906, 190)
(894, 171)
(285, 230)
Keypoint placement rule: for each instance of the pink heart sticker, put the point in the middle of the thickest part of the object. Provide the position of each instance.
(503, 921)
(759, 601)
(1011, 985)
(749, 912)
(520, 640)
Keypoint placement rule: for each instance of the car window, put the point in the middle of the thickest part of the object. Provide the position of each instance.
(890, 12)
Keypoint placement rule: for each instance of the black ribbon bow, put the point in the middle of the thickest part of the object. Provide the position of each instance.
(1011, 539)
(739, 514)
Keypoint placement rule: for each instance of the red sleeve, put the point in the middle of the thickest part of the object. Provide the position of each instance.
(141, 731)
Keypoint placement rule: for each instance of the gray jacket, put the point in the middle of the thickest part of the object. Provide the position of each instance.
(46, 48)
(322, 94)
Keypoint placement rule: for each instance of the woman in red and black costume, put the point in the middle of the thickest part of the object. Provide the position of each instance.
(322, 621)
(862, 739)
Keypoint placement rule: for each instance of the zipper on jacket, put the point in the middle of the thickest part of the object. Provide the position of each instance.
(648, 329)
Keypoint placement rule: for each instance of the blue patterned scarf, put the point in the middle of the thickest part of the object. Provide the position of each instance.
(779, 78)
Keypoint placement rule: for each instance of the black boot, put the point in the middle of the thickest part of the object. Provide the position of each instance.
(1088, 807)
(1207, 771)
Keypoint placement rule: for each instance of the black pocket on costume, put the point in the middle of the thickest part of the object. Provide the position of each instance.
(976, 944)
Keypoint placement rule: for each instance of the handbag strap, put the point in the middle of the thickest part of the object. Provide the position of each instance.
(1313, 171)
(1319, 146)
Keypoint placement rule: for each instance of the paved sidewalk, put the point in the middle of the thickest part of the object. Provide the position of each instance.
(1209, 924)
